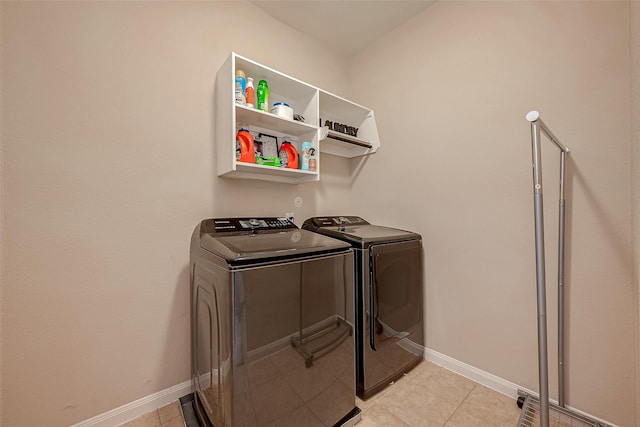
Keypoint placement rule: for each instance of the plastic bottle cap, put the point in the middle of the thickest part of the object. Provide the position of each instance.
(280, 103)
(240, 73)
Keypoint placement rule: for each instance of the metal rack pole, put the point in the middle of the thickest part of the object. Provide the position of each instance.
(543, 367)
(561, 284)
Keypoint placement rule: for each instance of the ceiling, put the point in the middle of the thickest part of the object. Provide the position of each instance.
(345, 26)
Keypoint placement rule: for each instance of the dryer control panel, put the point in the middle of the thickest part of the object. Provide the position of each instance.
(332, 221)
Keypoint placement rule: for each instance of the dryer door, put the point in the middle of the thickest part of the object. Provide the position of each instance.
(395, 296)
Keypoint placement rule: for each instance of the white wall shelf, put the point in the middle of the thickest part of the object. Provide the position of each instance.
(308, 101)
(336, 109)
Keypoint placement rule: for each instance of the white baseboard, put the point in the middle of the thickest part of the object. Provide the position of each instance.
(489, 380)
(137, 408)
(481, 377)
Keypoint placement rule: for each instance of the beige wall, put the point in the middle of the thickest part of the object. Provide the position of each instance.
(450, 90)
(107, 141)
(2, 268)
(107, 151)
(635, 179)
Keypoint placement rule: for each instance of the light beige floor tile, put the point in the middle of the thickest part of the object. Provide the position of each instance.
(485, 407)
(152, 419)
(176, 422)
(438, 380)
(169, 412)
(415, 406)
(378, 416)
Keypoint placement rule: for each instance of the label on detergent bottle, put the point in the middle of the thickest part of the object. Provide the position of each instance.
(263, 96)
(251, 93)
(283, 157)
(240, 87)
(288, 156)
(306, 155)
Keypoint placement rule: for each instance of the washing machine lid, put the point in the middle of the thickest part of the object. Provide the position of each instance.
(357, 231)
(271, 239)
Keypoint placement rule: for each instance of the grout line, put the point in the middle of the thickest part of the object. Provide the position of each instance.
(460, 404)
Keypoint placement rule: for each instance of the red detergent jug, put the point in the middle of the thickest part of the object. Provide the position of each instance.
(245, 150)
(288, 155)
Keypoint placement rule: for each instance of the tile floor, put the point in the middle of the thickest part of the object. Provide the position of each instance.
(432, 396)
(429, 396)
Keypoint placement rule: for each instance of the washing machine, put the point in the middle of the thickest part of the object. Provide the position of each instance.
(388, 298)
(272, 325)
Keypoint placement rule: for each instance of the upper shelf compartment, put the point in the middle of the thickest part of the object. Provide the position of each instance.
(272, 129)
(299, 95)
(347, 129)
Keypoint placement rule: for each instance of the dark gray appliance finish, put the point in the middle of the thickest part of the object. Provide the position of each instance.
(388, 296)
(272, 318)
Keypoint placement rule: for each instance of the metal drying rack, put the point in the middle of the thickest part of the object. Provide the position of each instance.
(540, 411)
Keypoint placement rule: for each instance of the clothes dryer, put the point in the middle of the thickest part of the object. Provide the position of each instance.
(388, 296)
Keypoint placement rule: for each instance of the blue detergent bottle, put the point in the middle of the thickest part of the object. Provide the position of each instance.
(240, 87)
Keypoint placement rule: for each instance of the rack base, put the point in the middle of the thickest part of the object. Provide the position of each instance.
(558, 416)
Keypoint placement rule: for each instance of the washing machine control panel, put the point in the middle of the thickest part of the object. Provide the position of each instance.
(222, 225)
